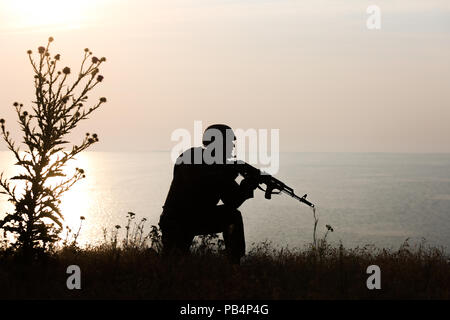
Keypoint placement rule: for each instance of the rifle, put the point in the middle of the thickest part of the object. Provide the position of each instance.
(273, 185)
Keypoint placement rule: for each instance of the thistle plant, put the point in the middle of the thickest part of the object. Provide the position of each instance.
(59, 106)
(321, 243)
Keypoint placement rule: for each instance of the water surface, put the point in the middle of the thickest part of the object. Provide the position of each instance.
(368, 198)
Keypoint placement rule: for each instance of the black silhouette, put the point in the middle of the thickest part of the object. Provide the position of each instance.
(192, 205)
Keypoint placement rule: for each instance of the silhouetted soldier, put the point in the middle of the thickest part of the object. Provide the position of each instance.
(201, 178)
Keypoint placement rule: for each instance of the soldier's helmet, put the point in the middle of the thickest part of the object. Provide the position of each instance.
(226, 137)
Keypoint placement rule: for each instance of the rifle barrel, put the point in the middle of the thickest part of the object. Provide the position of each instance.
(301, 199)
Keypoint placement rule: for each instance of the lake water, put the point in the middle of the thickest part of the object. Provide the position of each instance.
(368, 198)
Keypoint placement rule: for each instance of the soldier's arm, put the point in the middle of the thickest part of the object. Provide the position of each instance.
(235, 194)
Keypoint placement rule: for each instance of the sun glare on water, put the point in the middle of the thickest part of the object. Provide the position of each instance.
(37, 14)
(75, 202)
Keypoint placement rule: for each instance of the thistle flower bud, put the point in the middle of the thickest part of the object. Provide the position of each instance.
(2, 121)
(100, 78)
(15, 104)
(103, 59)
(57, 57)
(103, 99)
(86, 50)
(66, 70)
(41, 50)
(29, 52)
(95, 60)
(50, 39)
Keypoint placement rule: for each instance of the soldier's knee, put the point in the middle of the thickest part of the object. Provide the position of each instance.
(237, 218)
(237, 213)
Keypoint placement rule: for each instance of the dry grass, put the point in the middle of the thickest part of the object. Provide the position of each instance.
(139, 272)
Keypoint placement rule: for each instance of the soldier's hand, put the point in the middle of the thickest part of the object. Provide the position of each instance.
(249, 184)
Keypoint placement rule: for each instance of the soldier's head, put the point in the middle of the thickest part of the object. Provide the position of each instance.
(219, 140)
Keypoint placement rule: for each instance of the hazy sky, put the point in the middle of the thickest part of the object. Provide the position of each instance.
(310, 68)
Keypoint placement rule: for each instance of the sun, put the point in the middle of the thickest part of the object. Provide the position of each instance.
(35, 14)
